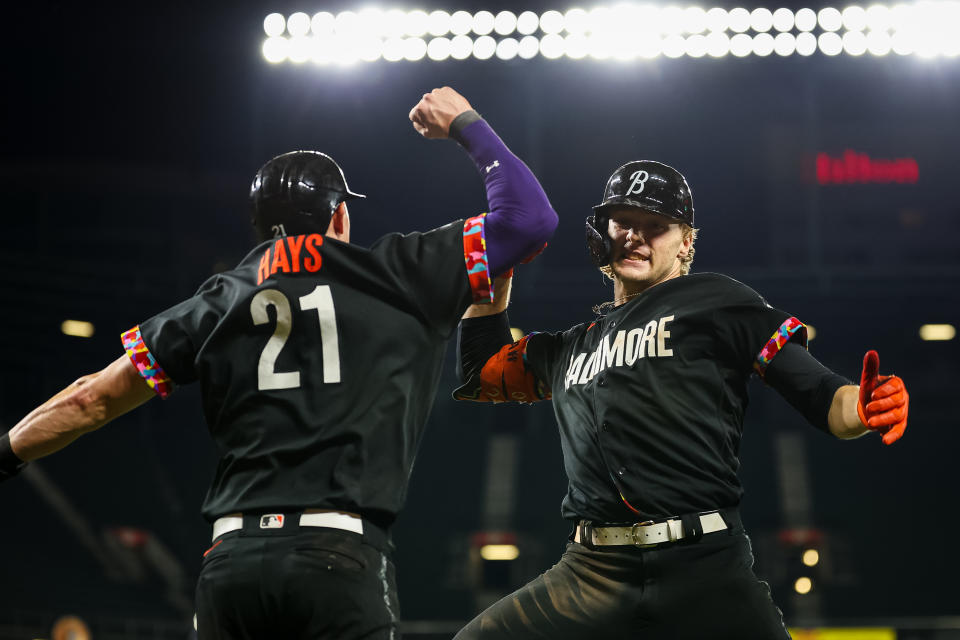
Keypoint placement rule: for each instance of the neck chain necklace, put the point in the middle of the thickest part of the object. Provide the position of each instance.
(610, 305)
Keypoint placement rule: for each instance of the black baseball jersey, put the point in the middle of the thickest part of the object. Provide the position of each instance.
(650, 398)
(318, 363)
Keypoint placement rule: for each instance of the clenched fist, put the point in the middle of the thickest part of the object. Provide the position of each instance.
(431, 117)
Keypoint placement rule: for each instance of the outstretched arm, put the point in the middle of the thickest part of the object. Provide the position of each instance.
(83, 406)
(832, 403)
(521, 219)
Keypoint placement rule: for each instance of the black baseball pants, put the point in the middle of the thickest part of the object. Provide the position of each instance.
(704, 589)
(316, 584)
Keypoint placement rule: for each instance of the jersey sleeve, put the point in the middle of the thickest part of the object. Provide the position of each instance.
(751, 332)
(164, 348)
(544, 353)
(442, 271)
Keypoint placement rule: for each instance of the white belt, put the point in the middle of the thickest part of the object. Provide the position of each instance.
(647, 534)
(329, 519)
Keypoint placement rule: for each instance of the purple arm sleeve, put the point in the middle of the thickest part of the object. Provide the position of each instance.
(521, 219)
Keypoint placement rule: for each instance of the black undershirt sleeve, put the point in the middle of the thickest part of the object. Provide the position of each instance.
(479, 339)
(805, 383)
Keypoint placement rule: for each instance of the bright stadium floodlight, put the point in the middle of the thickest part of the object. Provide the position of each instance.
(829, 19)
(461, 23)
(739, 19)
(718, 20)
(416, 25)
(620, 32)
(598, 47)
(806, 20)
(783, 20)
(855, 43)
(483, 22)
(508, 48)
(696, 46)
(552, 46)
(785, 44)
(324, 51)
(576, 21)
(529, 47)
(369, 49)
(854, 18)
(763, 44)
(650, 47)
(484, 47)
(461, 47)
(879, 43)
(77, 328)
(438, 23)
(576, 46)
(439, 49)
(903, 43)
(275, 49)
(372, 23)
(301, 49)
(551, 22)
(393, 24)
(414, 49)
(718, 45)
(830, 43)
(806, 44)
(505, 23)
(674, 46)
(274, 25)
(741, 45)
(298, 24)
(695, 20)
(527, 23)
(671, 22)
(878, 17)
(347, 22)
(761, 20)
(393, 49)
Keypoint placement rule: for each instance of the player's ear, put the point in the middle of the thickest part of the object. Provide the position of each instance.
(685, 244)
(339, 227)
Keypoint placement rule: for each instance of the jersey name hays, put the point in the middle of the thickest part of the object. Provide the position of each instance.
(625, 348)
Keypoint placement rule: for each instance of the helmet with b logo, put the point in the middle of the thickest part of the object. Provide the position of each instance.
(644, 184)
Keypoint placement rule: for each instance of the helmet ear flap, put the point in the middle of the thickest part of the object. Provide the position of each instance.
(598, 242)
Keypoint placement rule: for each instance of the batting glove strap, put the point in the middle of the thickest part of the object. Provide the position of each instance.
(10, 464)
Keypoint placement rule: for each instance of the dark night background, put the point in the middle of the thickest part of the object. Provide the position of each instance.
(130, 137)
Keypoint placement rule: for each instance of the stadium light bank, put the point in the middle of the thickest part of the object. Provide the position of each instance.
(621, 32)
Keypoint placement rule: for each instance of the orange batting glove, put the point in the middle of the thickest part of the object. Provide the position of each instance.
(884, 401)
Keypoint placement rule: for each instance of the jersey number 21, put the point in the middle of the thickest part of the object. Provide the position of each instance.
(319, 299)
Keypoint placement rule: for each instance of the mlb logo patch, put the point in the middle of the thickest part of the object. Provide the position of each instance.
(271, 521)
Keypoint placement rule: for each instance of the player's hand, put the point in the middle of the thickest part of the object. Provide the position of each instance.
(884, 401)
(431, 117)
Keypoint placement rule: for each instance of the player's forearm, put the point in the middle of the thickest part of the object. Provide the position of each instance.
(521, 218)
(842, 418)
(479, 339)
(502, 287)
(58, 421)
(81, 407)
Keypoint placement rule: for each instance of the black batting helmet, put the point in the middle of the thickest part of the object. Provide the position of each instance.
(297, 192)
(644, 184)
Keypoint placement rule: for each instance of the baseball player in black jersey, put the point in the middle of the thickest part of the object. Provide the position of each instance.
(650, 398)
(318, 363)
